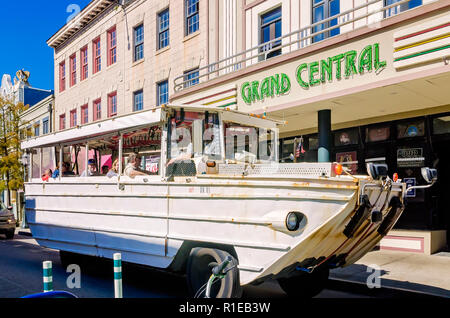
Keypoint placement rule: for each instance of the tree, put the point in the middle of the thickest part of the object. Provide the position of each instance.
(11, 169)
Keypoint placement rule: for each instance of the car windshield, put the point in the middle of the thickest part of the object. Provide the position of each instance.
(2, 205)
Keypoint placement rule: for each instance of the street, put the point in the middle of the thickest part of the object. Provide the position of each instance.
(21, 274)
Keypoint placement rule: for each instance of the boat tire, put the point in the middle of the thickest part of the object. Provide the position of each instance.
(198, 272)
(305, 285)
(10, 234)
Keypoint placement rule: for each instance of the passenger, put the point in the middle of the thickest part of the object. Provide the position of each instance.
(105, 170)
(55, 173)
(66, 169)
(47, 175)
(92, 170)
(114, 172)
(132, 169)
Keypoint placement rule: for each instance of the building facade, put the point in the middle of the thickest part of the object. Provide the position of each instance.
(373, 73)
(114, 59)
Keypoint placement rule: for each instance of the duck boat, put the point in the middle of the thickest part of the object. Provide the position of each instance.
(286, 221)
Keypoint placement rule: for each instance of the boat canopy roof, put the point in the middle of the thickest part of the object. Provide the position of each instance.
(136, 120)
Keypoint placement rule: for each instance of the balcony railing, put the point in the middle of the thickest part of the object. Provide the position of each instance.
(376, 10)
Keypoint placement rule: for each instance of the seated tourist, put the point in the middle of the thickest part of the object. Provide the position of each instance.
(55, 173)
(132, 168)
(114, 171)
(47, 175)
(183, 149)
(91, 171)
(105, 170)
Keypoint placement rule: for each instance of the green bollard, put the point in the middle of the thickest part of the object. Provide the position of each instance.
(118, 275)
(48, 276)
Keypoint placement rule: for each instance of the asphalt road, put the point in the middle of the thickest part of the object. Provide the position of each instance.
(21, 274)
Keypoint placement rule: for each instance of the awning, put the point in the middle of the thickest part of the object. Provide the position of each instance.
(107, 126)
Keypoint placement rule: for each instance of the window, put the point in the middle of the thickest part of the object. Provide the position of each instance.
(62, 76)
(378, 133)
(191, 9)
(84, 114)
(138, 42)
(84, 63)
(411, 129)
(162, 93)
(112, 104)
(321, 10)
(96, 47)
(97, 109)
(191, 78)
(163, 29)
(29, 132)
(138, 100)
(270, 30)
(45, 127)
(62, 122)
(73, 118)
(441, 125)
(112, 46)
(73, 70)
(36, 128)
(400, 8)
(346, 137)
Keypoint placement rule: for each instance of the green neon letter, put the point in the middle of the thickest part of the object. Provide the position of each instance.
(275, 85)
(285, 84)
(265, 91)
(350, 67)
(313, 69)
(326, 66)
(365, 59)
(255, 94)
(246, 93)
(338, 59)
(377, 62)
(300, 69)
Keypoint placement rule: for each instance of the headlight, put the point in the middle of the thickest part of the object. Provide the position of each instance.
(10, 221)
(292, 221)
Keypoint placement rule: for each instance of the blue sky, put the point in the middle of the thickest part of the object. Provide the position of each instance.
(26, 26)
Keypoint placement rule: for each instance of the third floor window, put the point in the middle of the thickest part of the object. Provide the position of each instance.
(73, 70)
(401, 7)
(112, 46)
(97, 55)
(163, 29)
(84, 63)
(191, 14)
(324, 9)
(62, 76)
(138, 42)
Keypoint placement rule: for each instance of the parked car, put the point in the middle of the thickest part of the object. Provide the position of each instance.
(7, 221)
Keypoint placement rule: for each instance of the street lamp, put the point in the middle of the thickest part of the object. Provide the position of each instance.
(25, 160)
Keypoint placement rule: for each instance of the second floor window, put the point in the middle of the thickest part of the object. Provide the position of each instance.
(112, 46)
(138, 100)
(270, 30)
(96, 47)
(112, 104)
(84, 63)
(84, 114)
(163, 29)
(191, 13)
(191, 78)
(139, 42)
(45, 126)
(36, 129)
(62, 122)
(400, 8)
(97, 109)
(73, 118)
(162, 93)
(73, 70)
(324, 9)
(62, 76)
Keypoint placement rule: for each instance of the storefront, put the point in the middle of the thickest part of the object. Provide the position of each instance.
(405, 146)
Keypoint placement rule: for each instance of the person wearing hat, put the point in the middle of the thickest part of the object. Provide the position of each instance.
(91, 171)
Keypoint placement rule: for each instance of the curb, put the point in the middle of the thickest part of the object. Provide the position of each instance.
(383, 291)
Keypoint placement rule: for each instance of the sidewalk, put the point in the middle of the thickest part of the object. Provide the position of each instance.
(404, 271)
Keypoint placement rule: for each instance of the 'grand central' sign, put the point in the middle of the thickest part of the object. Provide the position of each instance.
(312, 74)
